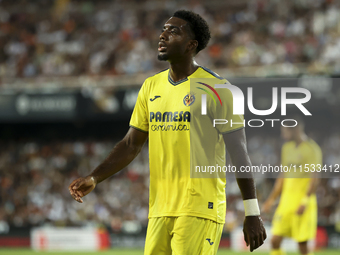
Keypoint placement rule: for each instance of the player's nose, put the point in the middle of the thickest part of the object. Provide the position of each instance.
(162, 36)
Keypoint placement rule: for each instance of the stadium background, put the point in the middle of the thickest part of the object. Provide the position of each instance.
(70, 72)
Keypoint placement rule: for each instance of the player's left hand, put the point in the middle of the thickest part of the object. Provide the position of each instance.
(254, 232)
(301, 209)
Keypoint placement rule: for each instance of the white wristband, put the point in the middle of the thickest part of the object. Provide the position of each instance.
(251, 207)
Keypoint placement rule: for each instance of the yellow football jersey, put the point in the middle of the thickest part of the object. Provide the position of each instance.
(164, 109)
(295, 189)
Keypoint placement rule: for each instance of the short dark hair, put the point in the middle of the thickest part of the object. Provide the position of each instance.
(299, 118)
(197, 25)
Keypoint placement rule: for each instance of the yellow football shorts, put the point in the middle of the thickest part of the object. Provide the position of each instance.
(301, 228)
(184, 235)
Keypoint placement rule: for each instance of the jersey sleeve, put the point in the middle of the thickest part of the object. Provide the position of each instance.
(225, 112)
(139, 118)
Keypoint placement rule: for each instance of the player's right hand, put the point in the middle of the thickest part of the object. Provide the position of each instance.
(254, 232)
(267, 206)
(81, 187)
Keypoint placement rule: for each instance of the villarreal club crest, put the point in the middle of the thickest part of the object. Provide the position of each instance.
(189, 99)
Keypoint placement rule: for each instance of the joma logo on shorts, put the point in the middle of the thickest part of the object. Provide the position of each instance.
(208, 239)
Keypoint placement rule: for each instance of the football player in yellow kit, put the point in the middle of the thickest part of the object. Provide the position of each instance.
(296, 215)
(186, 215)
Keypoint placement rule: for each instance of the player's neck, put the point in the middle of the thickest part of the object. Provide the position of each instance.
(301, 138)
(182, 70)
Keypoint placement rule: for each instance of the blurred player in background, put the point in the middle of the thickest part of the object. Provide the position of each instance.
(186, 215)
(296, 215)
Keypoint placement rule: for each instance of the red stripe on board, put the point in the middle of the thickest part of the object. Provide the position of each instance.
(15, 242)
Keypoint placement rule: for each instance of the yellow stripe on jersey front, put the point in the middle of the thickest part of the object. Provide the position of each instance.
(164, 109)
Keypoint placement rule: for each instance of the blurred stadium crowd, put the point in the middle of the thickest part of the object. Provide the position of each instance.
(83, 37)
(34, 179)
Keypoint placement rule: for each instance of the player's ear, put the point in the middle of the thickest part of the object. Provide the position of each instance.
(192, 45)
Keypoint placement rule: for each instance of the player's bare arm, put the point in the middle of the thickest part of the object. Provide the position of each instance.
(276, 191)
(311, 190)
(120, 156)
(253, 229)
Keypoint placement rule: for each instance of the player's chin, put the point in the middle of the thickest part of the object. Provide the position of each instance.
(162, 56)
